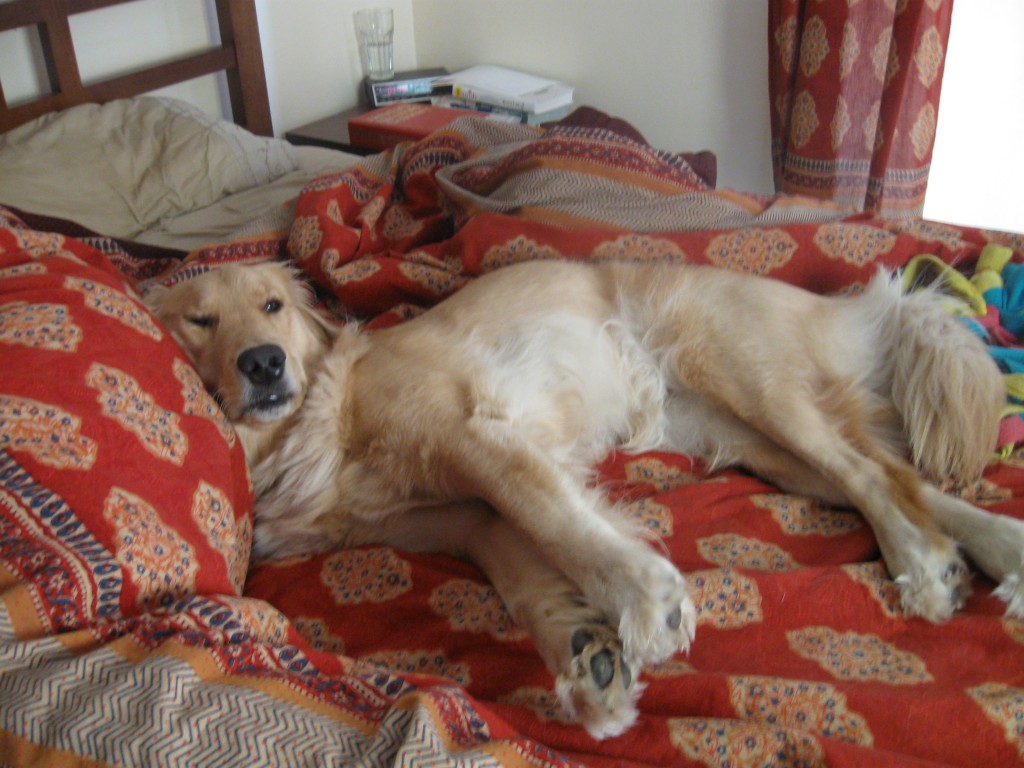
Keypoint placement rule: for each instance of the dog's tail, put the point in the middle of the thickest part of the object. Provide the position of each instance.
(946, 386)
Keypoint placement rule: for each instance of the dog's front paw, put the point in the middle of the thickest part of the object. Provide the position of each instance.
(598, 688)
(663, 620)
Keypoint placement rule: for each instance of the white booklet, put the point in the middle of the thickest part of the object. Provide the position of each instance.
(510, 88)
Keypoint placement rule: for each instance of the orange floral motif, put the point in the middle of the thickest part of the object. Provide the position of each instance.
(874, 578)
(669, 669)
(399, 223)
(856, 244)
(805, 118)
(653, 517)
(542, 702)
(922, 132)
(841, 123)
(304, 238)
(160, 563)
(1004, 706)
(366, 576)
(814, 47)
(799, 705)
(22, 270)
(928, 56)
(471, 606)
(371, 212)
(851, 656)
(441, 279)
(198, 402)
(636, 247)
(52, 436)
(734, 551)
(514, 251)
(849, 50)
(262, 621)
(662, 476)
(212, 512)
(1015, 629)
(39, 326)
(349, 272)
(727, 743)
(801, 516)
(115, 304)
(318, 634)
(124, 401)
(431, 663)
(785, 42)
(755, 251)
(725, 599)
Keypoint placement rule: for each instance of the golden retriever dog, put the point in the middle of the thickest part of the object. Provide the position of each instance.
(473, 430)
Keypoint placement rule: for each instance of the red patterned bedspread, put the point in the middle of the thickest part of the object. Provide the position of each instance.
(130, 633)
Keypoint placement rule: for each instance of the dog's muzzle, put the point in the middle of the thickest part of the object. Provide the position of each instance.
(263, 369)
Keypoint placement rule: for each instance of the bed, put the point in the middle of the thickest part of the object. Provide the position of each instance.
(136, 630)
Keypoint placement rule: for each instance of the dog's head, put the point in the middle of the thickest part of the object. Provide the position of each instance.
(252, 335)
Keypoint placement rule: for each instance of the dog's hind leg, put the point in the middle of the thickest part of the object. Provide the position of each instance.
(581, 649)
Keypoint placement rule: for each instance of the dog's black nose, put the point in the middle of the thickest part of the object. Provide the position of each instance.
(263, 364)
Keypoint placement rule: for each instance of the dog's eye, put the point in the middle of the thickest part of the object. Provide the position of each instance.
(272, 306)
(201, 321)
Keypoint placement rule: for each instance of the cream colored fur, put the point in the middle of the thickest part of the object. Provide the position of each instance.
(473, 430)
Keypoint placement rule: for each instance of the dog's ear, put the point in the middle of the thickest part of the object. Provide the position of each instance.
(305, 300)
(154, 299)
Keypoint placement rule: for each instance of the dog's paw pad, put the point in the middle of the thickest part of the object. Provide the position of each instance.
(663, 622)
(597, 688)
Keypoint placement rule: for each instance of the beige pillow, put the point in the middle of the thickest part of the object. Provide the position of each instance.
(122, 167)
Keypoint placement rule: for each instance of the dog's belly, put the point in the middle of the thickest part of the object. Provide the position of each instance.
(574, 386)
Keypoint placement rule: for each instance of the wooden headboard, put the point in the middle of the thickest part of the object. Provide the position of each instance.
(239, 56)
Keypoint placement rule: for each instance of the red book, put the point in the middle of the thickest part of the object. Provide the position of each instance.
(387, 126)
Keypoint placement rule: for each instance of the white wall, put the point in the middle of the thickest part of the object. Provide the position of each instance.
(978, 163)
(689, 74)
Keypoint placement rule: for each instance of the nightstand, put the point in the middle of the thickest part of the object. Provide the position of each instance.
(330, 132)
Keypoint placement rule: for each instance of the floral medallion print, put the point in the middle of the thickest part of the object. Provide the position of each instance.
(304, 238)
(399, 223)
(651, 516)
(541, 701)
(928, 56)
(883, 590)
(799, 705)
(1004, 706)
(515, 251)
(754, 251)
(213, 514)
(124, 401)
(21, 270)
(814, 47)
(196, 401)
(849, 50)
(349, 272)
(731, 743)
(922, 132)
(852, 656)
(39, 326)
(856, 244)
(431, 663)
(654, 472)
(318, 634)
(669, 669)
(160, 563)
(725, 599)
(730, 550)
(640, 248)
(371, 575)
(802, 516)
(805, 118)
(50, 435)
(115, 305)
(439, 277)
(470, 606)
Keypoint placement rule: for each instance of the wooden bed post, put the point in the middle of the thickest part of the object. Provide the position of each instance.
(247, 84)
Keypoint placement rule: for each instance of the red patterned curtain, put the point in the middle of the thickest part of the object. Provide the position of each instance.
(854, 90)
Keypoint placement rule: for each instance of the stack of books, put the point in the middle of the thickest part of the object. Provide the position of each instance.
(500, 90)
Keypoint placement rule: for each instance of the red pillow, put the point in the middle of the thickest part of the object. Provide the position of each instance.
(122, 488)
